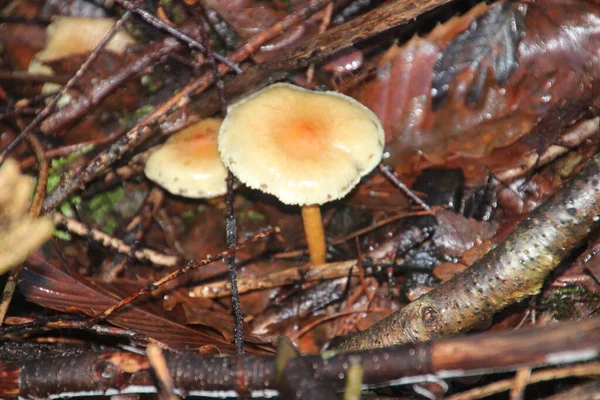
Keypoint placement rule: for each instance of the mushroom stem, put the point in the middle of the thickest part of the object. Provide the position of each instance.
(315, 235)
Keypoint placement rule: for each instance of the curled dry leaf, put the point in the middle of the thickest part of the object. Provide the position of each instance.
(19, 234)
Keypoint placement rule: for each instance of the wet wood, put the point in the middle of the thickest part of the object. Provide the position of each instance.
(194, 374)
(512, 271)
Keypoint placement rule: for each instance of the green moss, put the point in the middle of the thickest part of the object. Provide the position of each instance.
(129, 118)
(57, 165)
(101, 206)
(188, 215)
(255, 216)
(56, 175)
(562, 301)
(250, 215)
(62, 235)
(149, 84)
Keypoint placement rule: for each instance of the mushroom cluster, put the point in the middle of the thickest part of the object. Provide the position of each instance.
(304, 147)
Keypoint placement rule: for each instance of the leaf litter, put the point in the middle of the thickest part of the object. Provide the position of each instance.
(504, 94)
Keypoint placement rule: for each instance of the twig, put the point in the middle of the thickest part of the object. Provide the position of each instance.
(142, 254)
(34, 212)
(43, 173)
(141, 130)
(391, 175)
(399, 244)
(541, 376)
(134, 233)
(572, 138)
(65, 151)
(191, 265)
(50, 107)
(161, 370)
(29, 77)
(359, 232)
(12, 330)
(289, 276)
(520, 383)
(389, 15)
(158, 24)
(326, 20)
(136, 65)
(307, 328)
(230, 222)
(381, 223)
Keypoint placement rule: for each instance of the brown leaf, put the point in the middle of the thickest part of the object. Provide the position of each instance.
(46, 283)
(551, 85)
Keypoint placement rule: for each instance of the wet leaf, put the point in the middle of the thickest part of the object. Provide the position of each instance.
(49, 285)
(490, 42)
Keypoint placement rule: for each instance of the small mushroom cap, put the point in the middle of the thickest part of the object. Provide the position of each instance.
(301, 146)
(188, 164)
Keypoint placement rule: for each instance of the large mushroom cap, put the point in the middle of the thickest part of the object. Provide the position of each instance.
(301, 146)
(188, 164)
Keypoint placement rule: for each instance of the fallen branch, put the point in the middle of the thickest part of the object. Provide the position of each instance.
(193, 374)
(512, 271)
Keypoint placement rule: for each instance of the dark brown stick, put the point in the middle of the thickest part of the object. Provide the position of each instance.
(194, 374)
(230, 222)
(385, 17)
(135, 66)
(176, 33)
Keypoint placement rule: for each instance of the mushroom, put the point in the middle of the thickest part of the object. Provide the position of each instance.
(188, 163)
(303, 147)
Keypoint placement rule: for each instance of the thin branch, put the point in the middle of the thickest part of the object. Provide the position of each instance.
(391, 175)
(18, 330)
(157, 23)
(191, 265)
(290, 276)
(230, 222)
(143, 254)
